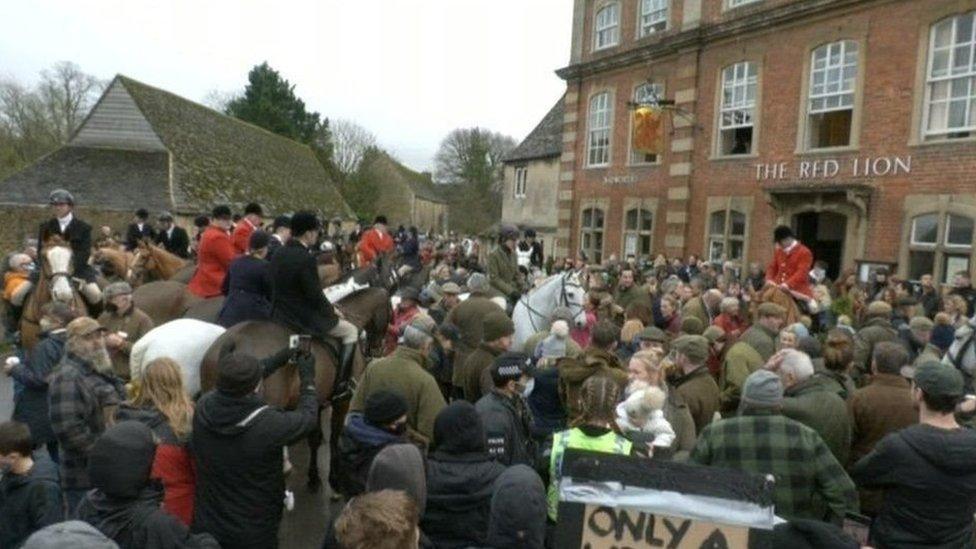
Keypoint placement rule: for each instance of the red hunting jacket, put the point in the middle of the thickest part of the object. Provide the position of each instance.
(792, 267)
(242, 236)
(371, 244)
(213, 259)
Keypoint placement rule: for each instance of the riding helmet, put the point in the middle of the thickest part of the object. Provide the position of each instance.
(61, 196)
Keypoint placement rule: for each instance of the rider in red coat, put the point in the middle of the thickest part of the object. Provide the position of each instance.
(249, 223)
(214, 255)
(374, 242)
(791, 264)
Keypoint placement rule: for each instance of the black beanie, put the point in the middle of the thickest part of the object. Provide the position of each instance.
(258, 240)
(238, 374)
(384, 407)
(121, 459)
(458, 429)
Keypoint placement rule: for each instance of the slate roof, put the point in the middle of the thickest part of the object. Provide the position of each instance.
(392, 172)
(545, 140)
(102, 178)
(220, 159)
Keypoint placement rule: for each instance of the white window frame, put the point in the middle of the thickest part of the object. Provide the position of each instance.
(911, 237)
(650, 14)
(606, 33)
(846, 86)
(726, 237)
(595, 254)
(745, 74)
(638, 231)
(966, 77)
(731, 4)
(941, 250)
(635, 158)
(599, 131)
(521, 178)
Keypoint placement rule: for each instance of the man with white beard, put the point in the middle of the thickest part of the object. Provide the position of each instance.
(84, 394)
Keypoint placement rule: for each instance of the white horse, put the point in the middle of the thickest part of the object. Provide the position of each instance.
(184, 340)
(533, 311)
(962, 352)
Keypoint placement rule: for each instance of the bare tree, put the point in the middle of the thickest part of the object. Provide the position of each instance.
(67, 94)
(350, 141)
(219, 99)
(469, 162)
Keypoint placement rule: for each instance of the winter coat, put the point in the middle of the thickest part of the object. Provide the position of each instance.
(741, 360)
(237, 452)
(31, 402)
(572, 374)
(696, 308)
(733, 326)
(403, 372)
(881, 407)
(929, 480)
(503, 272)
(173, 464)
(359, 443)
(297, 299)
(241, 237)
(248, 290)
(459, 490)
(634, 294)
(134, 234)
(874, 331)
(700, 392)
(677, 413)
(824, 412)
(508, 426)
(371, 244)
(134, 324)
(214, 255)
(838, 383)
(11, 281)
(469, 316)
(29, 502)
(78, 235)
(177, 244)
(82, 401)
(548, 412)
(518, 510)
(410, 253)
(792, 268)
(471, 371)
(762, 339)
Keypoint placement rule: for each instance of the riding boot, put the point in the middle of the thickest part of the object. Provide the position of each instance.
(344, 386)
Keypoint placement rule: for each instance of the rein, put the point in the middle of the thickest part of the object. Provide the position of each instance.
(563, 301)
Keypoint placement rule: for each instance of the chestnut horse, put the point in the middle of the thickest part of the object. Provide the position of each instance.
(114, 264)
(150, 263)
(778, 296)
(263, 339)
(54, 284)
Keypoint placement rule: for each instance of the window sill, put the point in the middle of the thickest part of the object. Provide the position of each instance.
(604, 48)
(597, 167)
(733, 157)
(644, 164)
(828, 150)
(727, 8)
(941, 142)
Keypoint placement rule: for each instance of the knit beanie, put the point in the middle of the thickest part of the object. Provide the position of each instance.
(399, 467)
(554, 346)
(762, 388)
(942, 336)
(238, 374)
(384, 407)
(518, 510)
(458, 429)
(121, 459)
(477, 282)
(497, 325)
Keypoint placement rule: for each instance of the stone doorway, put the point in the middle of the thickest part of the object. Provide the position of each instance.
(824, 234)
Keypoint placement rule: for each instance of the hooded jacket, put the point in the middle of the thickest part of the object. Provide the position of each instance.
(30, 404)
(518, 510)
(359, 444)
(125, 504)
(29, 502)
(572, 374)
(460, 476)
(237, 445)
(172, 465)
(929, 480)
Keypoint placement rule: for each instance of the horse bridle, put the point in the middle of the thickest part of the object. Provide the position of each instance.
(563, 299)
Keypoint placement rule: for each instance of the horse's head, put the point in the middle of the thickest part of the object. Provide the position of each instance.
(575, 296)
(57, 268)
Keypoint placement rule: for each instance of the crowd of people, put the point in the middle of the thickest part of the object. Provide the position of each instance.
(455, 437)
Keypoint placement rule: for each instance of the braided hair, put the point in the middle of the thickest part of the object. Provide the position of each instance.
(598, 401)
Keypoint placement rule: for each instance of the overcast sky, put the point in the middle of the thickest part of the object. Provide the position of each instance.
(407, 70)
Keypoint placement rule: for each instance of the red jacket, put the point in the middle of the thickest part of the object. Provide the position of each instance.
(792, 268)
(372, 243)
(214, 255)
(242, 236)
(174, 467)
(733, 326)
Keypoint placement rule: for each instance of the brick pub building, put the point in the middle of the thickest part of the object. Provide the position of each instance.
(852, 121)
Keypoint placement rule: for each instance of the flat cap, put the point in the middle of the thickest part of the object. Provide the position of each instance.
(771, 309)
(695, 347)
(937, 379)
(84, 326)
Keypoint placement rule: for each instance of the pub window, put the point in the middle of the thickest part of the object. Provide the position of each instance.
(591, 234)
(638, 224)
(521, 175)
(653, 16)
(598, 146)
(736, 117)
(950, 93)
(940, 245)
(644, 94)
(833, 73)
(737, 3)
(726, 236)
(607, 30)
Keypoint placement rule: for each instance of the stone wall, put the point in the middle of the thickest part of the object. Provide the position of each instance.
(20, 222)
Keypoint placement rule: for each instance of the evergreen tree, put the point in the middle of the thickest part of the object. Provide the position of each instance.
(269, 101)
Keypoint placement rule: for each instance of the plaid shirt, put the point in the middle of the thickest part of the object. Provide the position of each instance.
(79, 397)
(808, 477)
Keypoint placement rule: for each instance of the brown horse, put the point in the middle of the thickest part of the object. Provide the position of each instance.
(54, 283)
(113, 263)
(262, 339)
(150, 262)
(164, 300)
(776, 295)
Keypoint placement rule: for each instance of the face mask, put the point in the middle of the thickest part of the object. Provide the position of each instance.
(526, 388)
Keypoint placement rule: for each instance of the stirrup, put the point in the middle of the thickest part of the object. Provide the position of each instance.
(344, 390)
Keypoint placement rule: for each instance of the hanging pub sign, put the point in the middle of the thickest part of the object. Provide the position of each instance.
(648, 127)
(614, 502)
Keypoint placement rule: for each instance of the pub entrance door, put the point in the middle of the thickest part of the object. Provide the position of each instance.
(823, 232)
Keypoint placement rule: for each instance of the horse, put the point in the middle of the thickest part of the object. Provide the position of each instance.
(164, 300)
(114, 264)
(54, 283)
(150, 262)
(262, 339)
(184, 340)
(777, 295)
(532, 313)
(962, 352)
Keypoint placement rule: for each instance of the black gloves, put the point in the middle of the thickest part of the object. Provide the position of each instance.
(306, 369)
(271, 364)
